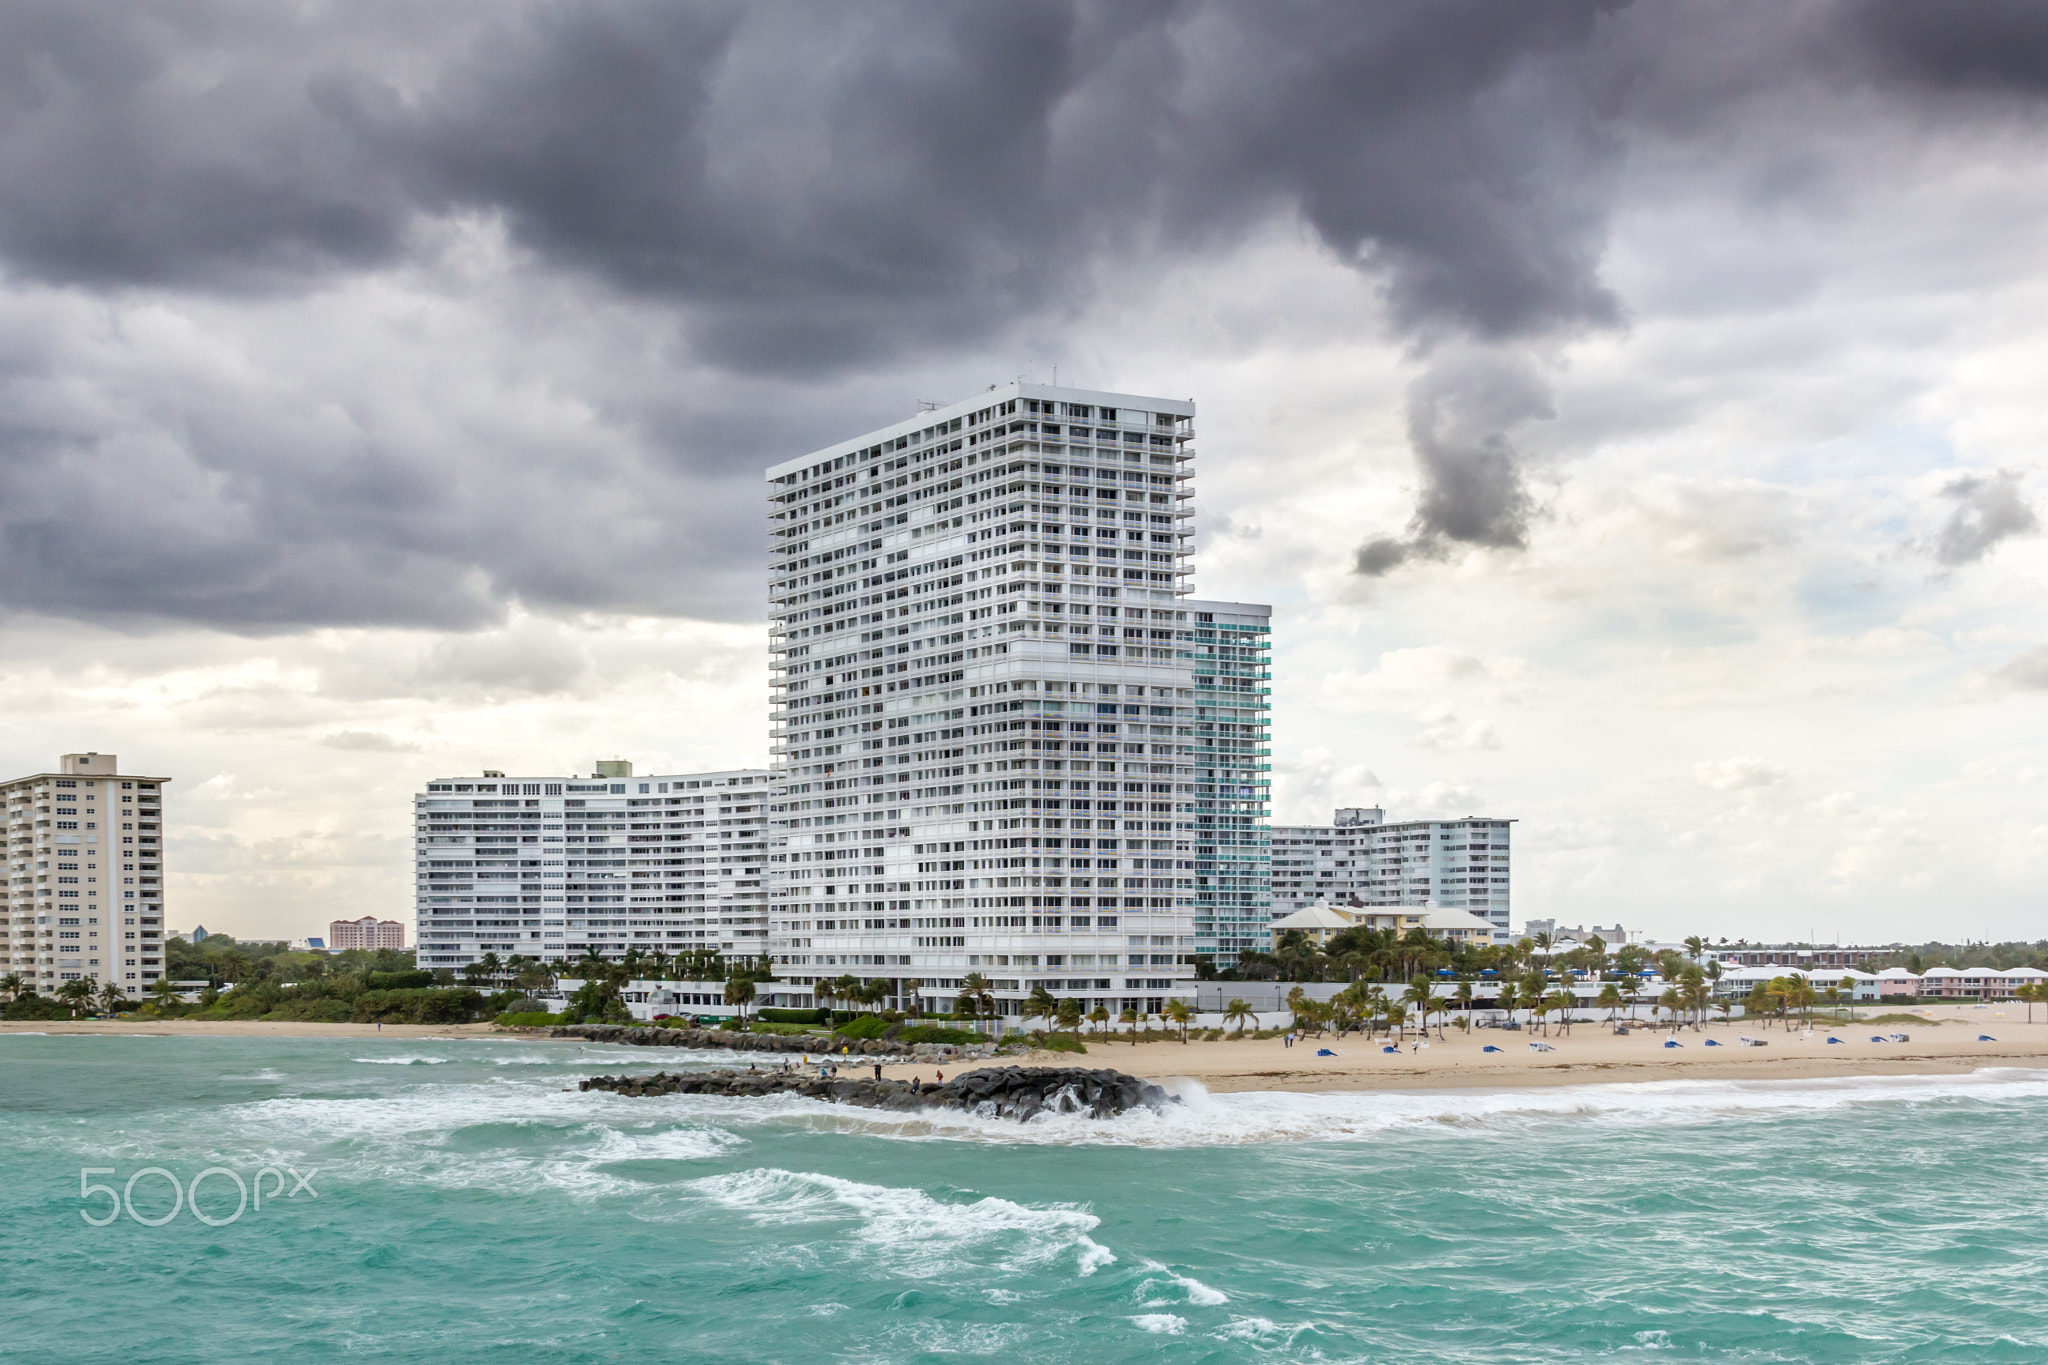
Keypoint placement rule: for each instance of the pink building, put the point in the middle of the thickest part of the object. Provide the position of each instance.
(368, 933)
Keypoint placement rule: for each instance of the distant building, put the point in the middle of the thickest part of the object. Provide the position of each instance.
(316, 945)
(1613, 936)
(199, 934)
(1458, 864)
(1320, 923)
(368, 933)
(81, 894)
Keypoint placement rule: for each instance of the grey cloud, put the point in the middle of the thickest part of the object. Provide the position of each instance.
(1461, 414)
(1989, 508)
(813, 196)
(367, 742)
(818, 184)
(2028, 670)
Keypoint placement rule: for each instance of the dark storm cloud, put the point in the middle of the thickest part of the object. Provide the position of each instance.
(1989, 508)
(811, 192)
(1460, 417)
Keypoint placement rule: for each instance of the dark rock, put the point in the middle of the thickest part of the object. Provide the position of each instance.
(1013, 1092)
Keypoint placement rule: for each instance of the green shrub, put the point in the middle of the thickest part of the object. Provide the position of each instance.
(938, 1033)
(32, 1006)
(1063, 1042)
(456, 1006)
(529, 1020)
(780, 1016)
(867, 1026)
(399, 981)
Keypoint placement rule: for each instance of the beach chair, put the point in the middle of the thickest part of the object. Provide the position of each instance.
(1490, 1048)
(1899, 1037)
(1324, 1052)
(1875, 1039)
(1986, 1038)
(1541, 1047)
(1390, 1048)
(1834, 1040)
(1673, 1042)
(1713, 1042)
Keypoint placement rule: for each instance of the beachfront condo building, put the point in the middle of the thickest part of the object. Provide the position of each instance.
(1015, 744)
(83, 884)
(551, 867)
(1456, 864)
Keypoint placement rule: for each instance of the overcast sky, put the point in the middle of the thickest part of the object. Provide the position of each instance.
(1634, 412)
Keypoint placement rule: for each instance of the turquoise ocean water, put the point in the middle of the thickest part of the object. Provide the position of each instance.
(471, 1205)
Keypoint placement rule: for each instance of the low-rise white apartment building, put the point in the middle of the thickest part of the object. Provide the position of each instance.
(549, 867)
(83, 885)
(1456, 864)
(1321, 922)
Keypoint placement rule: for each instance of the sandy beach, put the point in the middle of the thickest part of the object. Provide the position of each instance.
(1590, 1054)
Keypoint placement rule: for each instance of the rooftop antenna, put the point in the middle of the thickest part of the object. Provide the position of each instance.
(927, 405)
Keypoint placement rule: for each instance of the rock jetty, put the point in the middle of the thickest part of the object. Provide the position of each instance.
(1016, 1092)
(816, 1044)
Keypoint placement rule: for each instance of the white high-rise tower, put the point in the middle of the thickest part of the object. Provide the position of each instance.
(1005, 749)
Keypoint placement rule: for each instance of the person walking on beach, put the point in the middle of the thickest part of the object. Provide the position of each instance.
(878, 1071)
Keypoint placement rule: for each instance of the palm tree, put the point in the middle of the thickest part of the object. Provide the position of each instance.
(1100, 1018)
(1508, 999)
(11, 984)
(1695, 947)
(1671, 1002)
(1069, 1015)
(112, 997)
(164, 991)
(1130, 1016)
(1464, 997)
(976, 997)
(1396, 1015)
(77, 993)
(1610, 1000)
(1422, 996)
(1179, 1015)
(490, 966)
(1241, 1012)
(823, 994)
(739, 993)
(1539, 1008)
(909, 989)
(1040, 1004)
(1564, 1002)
